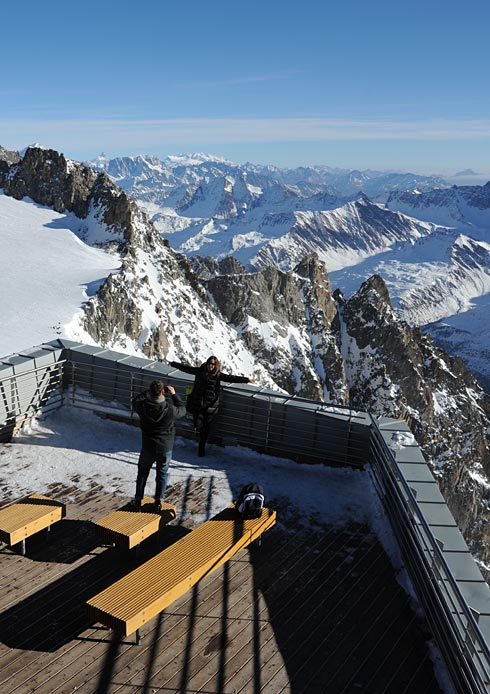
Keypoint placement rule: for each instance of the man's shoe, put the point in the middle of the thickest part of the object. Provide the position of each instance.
(135, 504)
(158, 505)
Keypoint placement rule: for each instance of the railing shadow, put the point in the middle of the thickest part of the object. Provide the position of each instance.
(341, 622)
(339, 618)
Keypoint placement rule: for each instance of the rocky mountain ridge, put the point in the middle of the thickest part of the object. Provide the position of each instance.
(467, 205)
(143, 173)
(287, 328)
(468, 276)
(340, 236)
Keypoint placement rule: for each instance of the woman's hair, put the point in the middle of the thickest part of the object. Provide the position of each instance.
(216, 360)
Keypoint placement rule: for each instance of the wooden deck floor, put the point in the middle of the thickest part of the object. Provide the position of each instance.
(315, 609)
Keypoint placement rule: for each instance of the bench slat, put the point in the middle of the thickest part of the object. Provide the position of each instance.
(128, 528)
(27, 517)
(139, 596)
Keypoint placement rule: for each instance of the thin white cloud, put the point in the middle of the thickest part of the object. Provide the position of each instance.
(245, 79)
(143, 134)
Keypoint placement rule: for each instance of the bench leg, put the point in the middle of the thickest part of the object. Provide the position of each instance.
(48, 533)
(23, 547)
(137, 638)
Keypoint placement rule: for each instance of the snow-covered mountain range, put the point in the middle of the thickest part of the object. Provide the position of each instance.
(285, 327)
(427, 239)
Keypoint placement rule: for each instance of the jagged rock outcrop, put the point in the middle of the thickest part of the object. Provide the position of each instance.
(8, 157)
(285, 319)
(50, 179)
(207, 266)
(374, 333)
(393, 369)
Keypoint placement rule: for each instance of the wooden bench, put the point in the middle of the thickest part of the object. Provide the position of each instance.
(27, 517)
(128, 528)
(133, 600)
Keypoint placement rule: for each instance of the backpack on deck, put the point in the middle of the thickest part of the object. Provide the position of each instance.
(250, 501)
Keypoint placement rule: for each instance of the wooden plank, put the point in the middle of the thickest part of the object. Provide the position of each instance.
(27, 517)
(171, 628)
(252, 627)
(268, 589)
(282, 564)
(138, 597)
(199, 614)
(128, 528)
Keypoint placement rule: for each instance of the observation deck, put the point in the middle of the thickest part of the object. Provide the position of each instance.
(321, 607)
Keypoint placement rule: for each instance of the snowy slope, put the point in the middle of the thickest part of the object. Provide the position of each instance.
(467, 334)
(50, 274)
(47, 273)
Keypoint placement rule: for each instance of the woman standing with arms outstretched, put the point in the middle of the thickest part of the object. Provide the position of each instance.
(203, 403)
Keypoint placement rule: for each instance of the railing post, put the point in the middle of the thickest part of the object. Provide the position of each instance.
(131, 394)
(73, 383)
(267, 428)
(347, 445)
(61, 369)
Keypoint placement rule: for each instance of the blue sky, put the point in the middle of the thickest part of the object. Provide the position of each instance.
(384, 85)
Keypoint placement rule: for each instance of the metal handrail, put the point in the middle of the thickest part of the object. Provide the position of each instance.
(110, 390)
(26, 394)
(453, 621)
(251, 418)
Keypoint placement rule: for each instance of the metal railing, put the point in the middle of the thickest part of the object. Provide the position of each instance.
(267, 421)
(453, 623)
(305, 430)
(24, 395)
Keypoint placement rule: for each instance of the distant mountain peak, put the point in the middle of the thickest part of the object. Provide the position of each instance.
(36, 145)
(467, 172)
(193, 159)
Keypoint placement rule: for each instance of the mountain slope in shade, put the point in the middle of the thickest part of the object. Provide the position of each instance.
(457, 206)
(341, 237)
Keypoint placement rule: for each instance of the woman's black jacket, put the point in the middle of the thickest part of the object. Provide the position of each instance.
(206, 390)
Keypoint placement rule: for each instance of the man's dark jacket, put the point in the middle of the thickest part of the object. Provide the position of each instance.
(157, 420)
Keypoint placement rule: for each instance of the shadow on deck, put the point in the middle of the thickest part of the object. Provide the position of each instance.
(315, 609)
